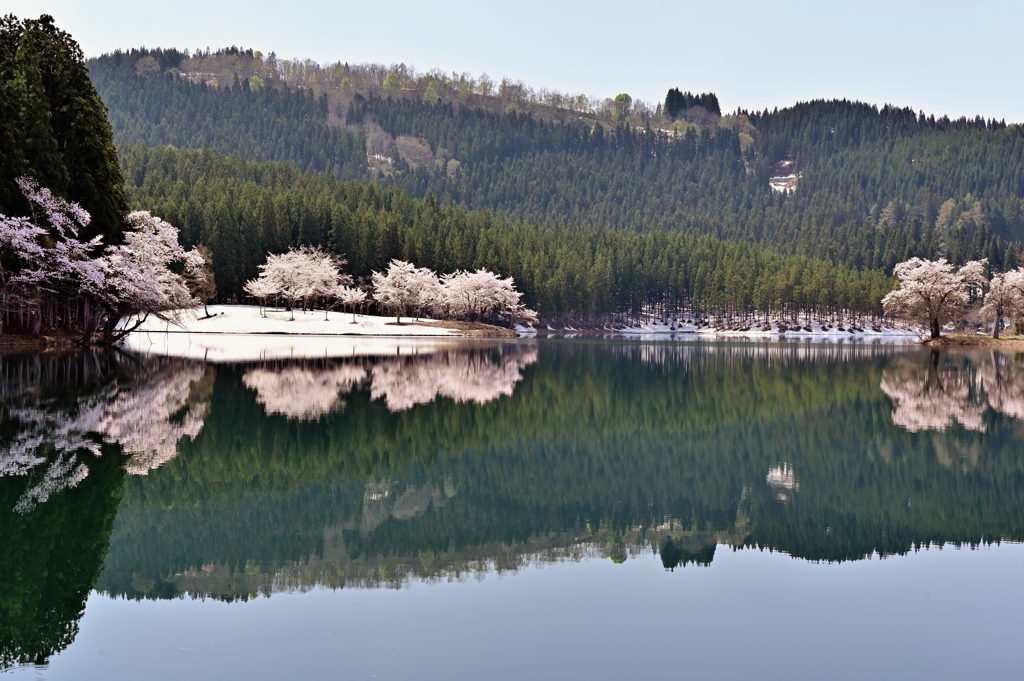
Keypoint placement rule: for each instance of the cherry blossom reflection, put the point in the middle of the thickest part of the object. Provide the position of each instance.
(149, 418)
(937, 395)
(1003, 380)
(302, 393)
(146, 407)
(404, 382)
(307, 393)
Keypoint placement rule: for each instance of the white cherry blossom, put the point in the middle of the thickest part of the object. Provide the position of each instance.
(932, 293)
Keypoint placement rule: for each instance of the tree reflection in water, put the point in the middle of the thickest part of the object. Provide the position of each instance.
(59, 492)
(600, 450)
(309, 391)
(303, 393)
(954, 389)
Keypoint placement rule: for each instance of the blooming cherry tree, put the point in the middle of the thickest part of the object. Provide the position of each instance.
(261, 289)
(139, 278)
(481, 294)
(404, 288)
(1005, 298)
(45, 254)
(932, 293)
(299, 275)
(350, 297)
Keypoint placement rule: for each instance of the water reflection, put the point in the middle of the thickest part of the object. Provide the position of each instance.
(782, 482)
(955, 389)
(307, 391)
(59, 492)
(250, 479)
(302, 393)
(602, 451)
(460, 376)
(144, 405)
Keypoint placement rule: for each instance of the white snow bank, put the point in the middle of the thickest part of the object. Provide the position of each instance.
(247, 319)
(225, 347)
(817, 332)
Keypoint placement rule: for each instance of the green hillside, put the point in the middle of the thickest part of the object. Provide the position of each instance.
(875, 184)
(243, 209)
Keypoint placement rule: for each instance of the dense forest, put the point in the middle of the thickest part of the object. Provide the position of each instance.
(259, 123)
(242, 209)
(874, 183)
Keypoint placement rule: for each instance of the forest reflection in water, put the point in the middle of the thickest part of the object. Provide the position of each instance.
(156, 477)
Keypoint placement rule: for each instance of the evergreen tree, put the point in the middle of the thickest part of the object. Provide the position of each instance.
(53, 125)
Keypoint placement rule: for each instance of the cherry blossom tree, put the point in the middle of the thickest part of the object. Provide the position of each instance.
(483, 294)
(261, 289)
(524, 315)
(1005, 298)
(300, 275)
(139, 278)
(53, 275)
(428, 290)
(404, 288)
(350, 297)
(201, 281)
(46, 259)
(932, 293)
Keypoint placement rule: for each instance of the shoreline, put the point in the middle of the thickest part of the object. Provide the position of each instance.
(27, 343)
(964, 341)
(249, 320)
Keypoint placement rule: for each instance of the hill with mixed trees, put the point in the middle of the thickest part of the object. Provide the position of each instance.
(874, 184)
(594, 207)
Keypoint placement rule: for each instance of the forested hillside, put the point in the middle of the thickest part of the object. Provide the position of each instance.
(873, 185)
(242, 210)
(159, 108)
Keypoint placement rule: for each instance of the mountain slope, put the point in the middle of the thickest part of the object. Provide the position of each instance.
(947, 187)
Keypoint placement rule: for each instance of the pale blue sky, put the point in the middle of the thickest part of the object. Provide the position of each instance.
(956, 58)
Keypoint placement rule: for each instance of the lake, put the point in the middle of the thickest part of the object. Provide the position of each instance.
(504, 510)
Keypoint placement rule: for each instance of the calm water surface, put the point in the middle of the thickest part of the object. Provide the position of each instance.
(515, 510)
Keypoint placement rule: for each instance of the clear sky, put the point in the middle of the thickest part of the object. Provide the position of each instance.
(956, 58)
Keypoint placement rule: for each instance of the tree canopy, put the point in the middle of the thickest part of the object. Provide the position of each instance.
(53, 125)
